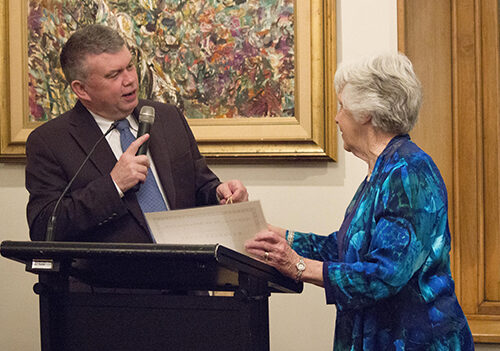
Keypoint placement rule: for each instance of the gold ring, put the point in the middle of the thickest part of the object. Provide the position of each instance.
(266, 256)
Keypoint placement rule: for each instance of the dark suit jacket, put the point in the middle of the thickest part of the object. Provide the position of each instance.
(93, 210)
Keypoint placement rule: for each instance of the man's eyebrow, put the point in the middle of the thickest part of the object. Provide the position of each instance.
(111, 73)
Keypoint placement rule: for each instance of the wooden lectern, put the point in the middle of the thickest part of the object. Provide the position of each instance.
(103, 296)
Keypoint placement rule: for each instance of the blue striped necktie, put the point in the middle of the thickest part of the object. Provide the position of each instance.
(148, 195)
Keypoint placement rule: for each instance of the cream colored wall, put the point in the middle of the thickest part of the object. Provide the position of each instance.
(18, 304)
(303, 196)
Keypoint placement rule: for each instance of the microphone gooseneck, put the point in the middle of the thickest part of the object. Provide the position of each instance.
(51, 225)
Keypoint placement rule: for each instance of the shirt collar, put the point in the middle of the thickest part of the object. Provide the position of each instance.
(104, 123)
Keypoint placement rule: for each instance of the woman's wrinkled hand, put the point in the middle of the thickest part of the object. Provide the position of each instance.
(270, 246)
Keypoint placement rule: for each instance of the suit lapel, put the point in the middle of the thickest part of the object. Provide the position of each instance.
(86, 133)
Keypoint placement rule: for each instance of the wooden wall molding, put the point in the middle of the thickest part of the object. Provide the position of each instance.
(454, 46)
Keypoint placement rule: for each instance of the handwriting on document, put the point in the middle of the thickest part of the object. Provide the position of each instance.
(228, 225)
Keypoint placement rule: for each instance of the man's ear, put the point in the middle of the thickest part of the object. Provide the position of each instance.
(79, 89)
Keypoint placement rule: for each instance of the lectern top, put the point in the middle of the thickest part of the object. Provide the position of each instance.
(156, 264)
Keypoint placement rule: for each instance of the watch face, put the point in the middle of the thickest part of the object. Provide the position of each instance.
(301, 266)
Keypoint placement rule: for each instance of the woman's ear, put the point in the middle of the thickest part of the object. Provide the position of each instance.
(365, 119)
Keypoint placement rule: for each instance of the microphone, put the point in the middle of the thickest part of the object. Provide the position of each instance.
(51, 225)
(146, 120)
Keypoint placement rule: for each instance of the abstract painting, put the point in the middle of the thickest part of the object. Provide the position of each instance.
(254, 78)
(211, 58)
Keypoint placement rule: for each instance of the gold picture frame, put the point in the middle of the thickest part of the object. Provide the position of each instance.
(309, 135)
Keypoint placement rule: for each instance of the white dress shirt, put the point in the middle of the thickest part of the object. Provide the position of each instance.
(113, 140)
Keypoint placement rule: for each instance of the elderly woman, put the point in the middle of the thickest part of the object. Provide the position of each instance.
(387, 268)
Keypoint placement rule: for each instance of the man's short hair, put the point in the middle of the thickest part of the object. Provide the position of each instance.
(93, 39)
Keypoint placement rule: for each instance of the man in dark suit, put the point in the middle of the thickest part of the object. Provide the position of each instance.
(102, 204)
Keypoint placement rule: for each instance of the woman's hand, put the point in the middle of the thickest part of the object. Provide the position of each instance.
(280, 231)
(270, 246)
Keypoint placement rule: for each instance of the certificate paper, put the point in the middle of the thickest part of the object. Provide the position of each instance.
(229, 225)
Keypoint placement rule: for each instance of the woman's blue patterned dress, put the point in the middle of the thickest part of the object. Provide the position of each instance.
(388, 269)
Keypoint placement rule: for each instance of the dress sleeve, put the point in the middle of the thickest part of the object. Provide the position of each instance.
(316, 247)
(408, 216)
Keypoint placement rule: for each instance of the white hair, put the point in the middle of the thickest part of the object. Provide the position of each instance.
(384, 87)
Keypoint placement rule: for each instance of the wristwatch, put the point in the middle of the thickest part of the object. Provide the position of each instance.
(301, 267)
